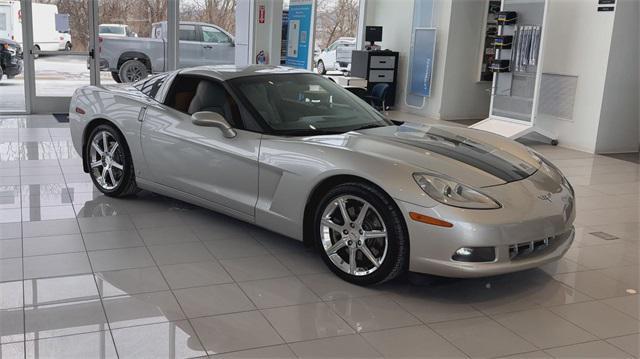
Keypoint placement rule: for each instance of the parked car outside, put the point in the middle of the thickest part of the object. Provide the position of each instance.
(130, 59)
(117, 30)
(336, 57)
(10, 58)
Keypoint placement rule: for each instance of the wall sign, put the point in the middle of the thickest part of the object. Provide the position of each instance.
(606, 2)
(605, 8)
(298, 46)
(422, 59)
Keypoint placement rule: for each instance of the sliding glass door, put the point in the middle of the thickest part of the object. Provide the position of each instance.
(59, 48)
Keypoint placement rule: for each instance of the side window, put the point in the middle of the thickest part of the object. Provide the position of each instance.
(190, 94)
(211, 34)
(3, 22)
(188, 33)
(151, 86)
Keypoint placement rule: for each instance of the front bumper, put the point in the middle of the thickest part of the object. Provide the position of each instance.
(14, 68)
(534, 227)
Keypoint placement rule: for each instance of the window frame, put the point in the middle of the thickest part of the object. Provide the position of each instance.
(196, 30)
(162, 77)
(202, 27)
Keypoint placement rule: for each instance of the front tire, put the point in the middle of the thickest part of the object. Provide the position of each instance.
(116, 77)
(320, 68)
(109, 162)
(68, 46)
(370, 245)
(132, 71)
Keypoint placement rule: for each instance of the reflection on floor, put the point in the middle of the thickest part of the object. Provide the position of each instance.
(83, 275)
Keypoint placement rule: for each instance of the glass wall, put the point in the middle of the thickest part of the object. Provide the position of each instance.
(12, 97)
(57, 76)
(206, 32)
(132, 39)
(336, 28)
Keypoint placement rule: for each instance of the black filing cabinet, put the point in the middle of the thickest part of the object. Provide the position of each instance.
(380, 66)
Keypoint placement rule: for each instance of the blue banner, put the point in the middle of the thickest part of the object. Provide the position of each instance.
(299, 33)
(424, 42)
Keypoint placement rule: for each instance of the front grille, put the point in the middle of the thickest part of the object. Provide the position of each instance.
(534, 248)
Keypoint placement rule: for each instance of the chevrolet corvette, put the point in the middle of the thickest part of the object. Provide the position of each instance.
(293, 152)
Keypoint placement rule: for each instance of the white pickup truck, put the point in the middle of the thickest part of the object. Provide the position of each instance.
(130, 59)
(336, 57)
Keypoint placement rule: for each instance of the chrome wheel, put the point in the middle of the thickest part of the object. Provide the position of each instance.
(107, 160)
(353, 235)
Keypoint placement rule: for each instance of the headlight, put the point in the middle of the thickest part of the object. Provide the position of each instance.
(450, 192)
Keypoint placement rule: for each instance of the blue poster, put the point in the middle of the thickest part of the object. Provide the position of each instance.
(424, 45)
(299, 33)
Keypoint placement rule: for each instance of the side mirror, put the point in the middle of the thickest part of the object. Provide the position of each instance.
(213, 119)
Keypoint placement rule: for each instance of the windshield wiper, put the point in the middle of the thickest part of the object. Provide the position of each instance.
(365, 127)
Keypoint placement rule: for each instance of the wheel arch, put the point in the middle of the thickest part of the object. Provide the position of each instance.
(134, 55)
(322, 188)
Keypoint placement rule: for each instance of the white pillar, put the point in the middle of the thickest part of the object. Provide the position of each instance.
(258, 28)
(244, 32)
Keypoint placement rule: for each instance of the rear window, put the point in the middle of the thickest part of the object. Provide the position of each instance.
(151, 86)
(116, 30)
(188, 33)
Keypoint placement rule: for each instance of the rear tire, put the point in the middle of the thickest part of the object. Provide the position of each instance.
(376, 258)
(68, 46)
(132, 71)
(109, 162)
(35, 56)
(116, 77)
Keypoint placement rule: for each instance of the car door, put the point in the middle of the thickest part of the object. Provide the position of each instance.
(218, 48)
(330, 57)
(200, 161)
(190, 48)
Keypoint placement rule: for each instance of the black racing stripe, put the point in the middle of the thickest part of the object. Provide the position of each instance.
(475, 154)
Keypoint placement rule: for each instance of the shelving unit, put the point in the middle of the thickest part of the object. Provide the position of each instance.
(516, 86)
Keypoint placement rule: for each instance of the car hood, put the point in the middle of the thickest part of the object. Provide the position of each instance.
(473, 157)
(10, 42)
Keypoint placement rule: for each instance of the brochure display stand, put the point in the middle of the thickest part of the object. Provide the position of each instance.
(517, 70)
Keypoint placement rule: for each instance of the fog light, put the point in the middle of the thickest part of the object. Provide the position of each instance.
(464, 251)
(474, 254)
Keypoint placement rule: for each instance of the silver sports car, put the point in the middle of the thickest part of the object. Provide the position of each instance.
(297, 154)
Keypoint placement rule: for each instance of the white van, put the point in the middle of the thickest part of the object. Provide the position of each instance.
(45, 35)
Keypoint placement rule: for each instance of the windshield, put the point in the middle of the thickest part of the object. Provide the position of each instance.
(117, 30)
(305, 104)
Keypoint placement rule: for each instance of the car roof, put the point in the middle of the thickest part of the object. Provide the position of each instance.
(228, 72)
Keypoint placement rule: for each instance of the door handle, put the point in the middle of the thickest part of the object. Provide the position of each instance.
(208, 47)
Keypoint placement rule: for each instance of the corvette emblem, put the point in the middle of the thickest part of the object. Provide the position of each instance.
(545, 197)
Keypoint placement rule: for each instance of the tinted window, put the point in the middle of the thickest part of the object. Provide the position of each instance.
(151, 86)
(188, 33)
(305, 104)
(211, 34)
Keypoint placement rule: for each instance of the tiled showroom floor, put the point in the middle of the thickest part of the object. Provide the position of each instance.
(83, 275)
